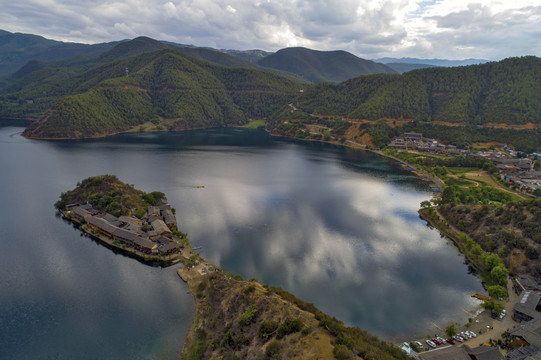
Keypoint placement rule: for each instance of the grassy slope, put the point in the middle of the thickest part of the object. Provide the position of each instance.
(231, 315)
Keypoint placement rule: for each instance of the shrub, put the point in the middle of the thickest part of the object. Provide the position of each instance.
(266, 329)
(247, 316)
(289, 326)
(341, 352)
(273, 350)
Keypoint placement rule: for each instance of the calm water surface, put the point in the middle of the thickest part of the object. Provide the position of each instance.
(336, 227)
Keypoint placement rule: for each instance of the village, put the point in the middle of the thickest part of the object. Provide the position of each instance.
(490, 336)
(515, 170)
(152, 235)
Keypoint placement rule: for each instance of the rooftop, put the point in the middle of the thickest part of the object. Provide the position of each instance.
(446, 353)
(527, 304)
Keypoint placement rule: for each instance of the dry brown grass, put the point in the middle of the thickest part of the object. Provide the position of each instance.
(225, 299)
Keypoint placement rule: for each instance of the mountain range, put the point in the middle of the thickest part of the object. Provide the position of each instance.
(144, 84)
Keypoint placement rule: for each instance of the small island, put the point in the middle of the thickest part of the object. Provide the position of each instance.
(139, 224)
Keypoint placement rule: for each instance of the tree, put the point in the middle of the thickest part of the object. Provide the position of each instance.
(493, 306)
(425, 203)
(450, 330)
(497, 291)
(498, 308)
(327, 135)
(499, 274)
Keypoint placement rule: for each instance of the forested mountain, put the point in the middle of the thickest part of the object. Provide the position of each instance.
(248, 55)
(403, 67)
(31, 90)
(317, 66)
(432, 62)
(17, 49)
(166, 88)
(506, 92)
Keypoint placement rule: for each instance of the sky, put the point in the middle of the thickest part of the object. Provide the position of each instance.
(444, 29)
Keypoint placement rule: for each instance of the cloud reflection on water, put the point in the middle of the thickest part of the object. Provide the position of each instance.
(331, 234)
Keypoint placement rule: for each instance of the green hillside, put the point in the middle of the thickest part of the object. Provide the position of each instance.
(167, 88)
(33, 89)
(17, 49)
(507, 92)
(318, 66)
(234, 59)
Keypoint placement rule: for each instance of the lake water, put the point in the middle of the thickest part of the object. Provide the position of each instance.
(334, 226)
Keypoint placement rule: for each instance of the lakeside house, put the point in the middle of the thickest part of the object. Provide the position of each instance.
(525, 339)
(128, 230)
(528, 307)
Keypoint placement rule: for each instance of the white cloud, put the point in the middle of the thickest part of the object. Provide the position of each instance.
(491, 29)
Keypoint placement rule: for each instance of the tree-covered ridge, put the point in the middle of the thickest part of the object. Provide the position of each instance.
(35, 87)
(508, 91)
(317, 66)
(109, 194)
(510, 231)
(161, 85)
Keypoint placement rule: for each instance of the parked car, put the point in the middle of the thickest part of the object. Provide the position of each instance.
(472, 334)
(418, 343)
(436, 341)
(502, 315)
(442, 340)
(465, 335)
(431, 343)
(451, 341)
(459, 338)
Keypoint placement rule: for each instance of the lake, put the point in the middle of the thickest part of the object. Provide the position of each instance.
(336, 227)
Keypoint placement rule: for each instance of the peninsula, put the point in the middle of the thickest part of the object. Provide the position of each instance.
(234, 318)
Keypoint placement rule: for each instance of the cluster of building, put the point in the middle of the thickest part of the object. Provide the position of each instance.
(416, 141)
(152, 234)
(517, 171)
(526, 337)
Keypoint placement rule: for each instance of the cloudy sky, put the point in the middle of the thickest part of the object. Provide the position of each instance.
(450, 29)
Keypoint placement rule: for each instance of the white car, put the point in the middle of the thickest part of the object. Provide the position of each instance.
(431, 343)
(459, 338)
(502, 315)
(472, 334)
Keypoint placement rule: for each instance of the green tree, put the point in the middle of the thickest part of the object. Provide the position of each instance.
(498, 308)
(450, 330)
(499, 274)
(497, 291)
